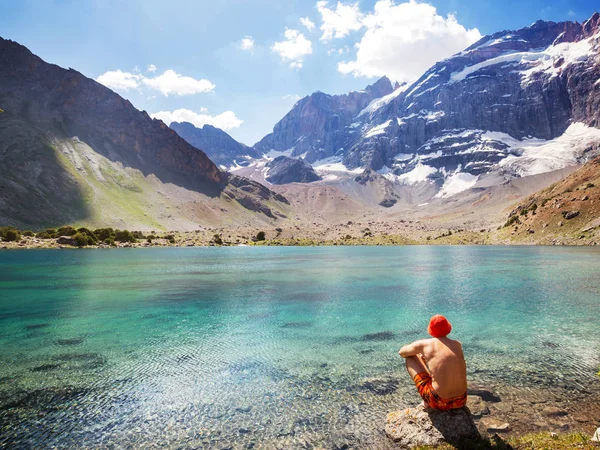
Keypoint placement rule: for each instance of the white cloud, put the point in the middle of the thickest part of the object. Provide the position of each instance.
(307, 23)
(340, 22)
(402, 41)
(293, 48)
(571, 13)
(119, 80)
(151, 68)
(225, 121)
(247, 43)
(170, 82)
(293, 97)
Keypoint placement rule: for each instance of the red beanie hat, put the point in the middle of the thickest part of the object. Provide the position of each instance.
(439, 326)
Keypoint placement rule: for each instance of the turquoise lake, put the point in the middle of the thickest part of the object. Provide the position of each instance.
(260, 347)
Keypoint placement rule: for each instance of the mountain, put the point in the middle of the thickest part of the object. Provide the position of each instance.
(73, 151)
(221, 148)
(515, 104)
(283, 170)
(316, 127)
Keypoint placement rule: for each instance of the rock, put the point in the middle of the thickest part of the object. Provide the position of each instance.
(380, 386)
(66, 240)
(494, 425)
(483, 392)
(477, 406)
(553, 411)
(388, 202)
(415, 427)
(283, 170)
(596, 436)
(568, 215)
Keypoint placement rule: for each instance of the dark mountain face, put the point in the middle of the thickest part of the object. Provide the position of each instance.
(470, 113)
(316, 127)
(283, 170)
(221, 148)
(66, 103)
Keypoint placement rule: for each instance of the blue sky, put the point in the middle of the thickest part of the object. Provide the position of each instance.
(203, 67)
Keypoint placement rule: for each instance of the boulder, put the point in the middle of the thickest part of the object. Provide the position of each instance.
(596, 436)
(418, 426)
(66, 240)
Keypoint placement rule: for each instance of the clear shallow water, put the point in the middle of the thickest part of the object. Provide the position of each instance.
(273, 347)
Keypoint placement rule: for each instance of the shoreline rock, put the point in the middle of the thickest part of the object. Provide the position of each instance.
(418, 426)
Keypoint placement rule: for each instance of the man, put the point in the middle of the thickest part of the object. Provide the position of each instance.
(438, 367)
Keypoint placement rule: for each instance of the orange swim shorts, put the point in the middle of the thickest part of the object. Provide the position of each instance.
(423, 383)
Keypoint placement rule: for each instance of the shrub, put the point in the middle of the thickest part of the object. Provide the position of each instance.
(49, 233)
(66, 231)
(260, 236)
(10, 234)
(170, 238)
(124, 236)
(149, 240)
(28, 233)
(590, 185)
(217, 239)
(138, 234)
(110, 241)
(82, 239)
(103, 234)
(92, 239)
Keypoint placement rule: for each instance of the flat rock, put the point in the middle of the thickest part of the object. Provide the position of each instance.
(494, 425)
(553, 411)
(477, 406)
(415, 427)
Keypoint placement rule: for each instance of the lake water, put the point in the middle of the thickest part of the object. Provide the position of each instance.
(275, 347)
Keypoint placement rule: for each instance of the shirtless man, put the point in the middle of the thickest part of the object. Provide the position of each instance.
(438, 367)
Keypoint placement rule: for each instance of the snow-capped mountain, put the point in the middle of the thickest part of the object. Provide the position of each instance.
(516, 102)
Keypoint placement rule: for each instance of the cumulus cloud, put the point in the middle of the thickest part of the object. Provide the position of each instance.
(225, 121)
(170, 82)
(402, 41)
(119, 80)
(247, 43)
(293, 48)
(151, 68)
(339, 22)
(305, 21)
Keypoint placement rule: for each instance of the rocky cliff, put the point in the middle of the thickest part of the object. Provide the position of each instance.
(317, 126)
(221, 148)
(283, 170)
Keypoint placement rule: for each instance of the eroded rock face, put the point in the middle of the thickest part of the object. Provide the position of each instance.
(317, 124)
(415, 427)
(283, 170)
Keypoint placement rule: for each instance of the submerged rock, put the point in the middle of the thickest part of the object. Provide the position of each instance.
(380, 386)
(414, 427)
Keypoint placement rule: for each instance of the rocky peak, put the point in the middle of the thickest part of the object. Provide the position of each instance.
(216, 143)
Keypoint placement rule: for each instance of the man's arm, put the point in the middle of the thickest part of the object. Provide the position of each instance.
(413, 349)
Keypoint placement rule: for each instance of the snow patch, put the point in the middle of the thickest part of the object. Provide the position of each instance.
(381, 102)
(419, 174)
(539, 156)
(379, 129)
(457, 182)
(542, 60)
(333, 164)
(403, 157)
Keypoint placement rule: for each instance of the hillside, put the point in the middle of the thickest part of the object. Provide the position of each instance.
(74, 152)
(567, 212)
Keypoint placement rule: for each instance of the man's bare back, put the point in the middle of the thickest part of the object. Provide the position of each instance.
(443, 358)
(438, 367)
